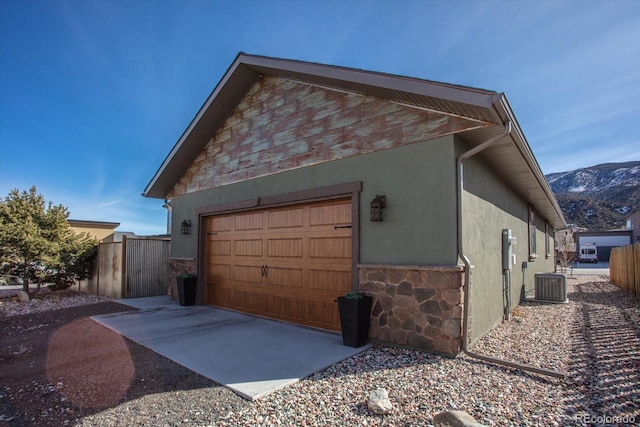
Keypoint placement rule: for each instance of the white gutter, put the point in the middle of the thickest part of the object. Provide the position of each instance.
(467, 264)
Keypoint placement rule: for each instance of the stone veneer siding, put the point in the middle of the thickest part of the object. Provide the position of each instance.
(179, 266)
(417, 306)
(282, 125)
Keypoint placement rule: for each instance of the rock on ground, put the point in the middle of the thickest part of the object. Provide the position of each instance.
(379, 402)
(455, 419)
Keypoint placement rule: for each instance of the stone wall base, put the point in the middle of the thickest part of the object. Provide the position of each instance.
(417, 306)
(179, 266)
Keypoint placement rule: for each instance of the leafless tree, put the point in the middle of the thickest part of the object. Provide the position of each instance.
(565, 253)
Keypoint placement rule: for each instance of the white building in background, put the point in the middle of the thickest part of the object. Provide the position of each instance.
(633, 223)
(604, 240)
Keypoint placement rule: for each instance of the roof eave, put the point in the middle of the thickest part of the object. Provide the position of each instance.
(504, 110)
(92, 224)
(247, 69)
(455, 93)
(178, 155)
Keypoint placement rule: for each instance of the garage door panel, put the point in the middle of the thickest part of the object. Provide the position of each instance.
(219, 272)
(318, 233)
(290, 277)
(291, 247)
(217, 224)
(221, 247)
(333, 281)
(323, 315)
(330, 215)
(247, 273)
(245, 301)
(222, 296)
(241, 300)
(252, 221)
(330, 247)
(286, 308)
(285, 218)
(248, 247)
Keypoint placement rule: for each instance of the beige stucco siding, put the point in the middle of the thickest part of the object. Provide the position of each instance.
(98, 233)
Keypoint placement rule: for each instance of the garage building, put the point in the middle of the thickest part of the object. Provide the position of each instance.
(297, 182)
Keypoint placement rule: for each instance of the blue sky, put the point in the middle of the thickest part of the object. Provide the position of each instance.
(94, 94)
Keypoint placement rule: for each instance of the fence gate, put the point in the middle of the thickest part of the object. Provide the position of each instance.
(145, 272)
(133, 268)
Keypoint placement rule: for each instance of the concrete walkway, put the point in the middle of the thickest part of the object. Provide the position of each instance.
(250, 355)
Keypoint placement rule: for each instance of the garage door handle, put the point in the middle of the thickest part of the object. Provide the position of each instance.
(335, 227)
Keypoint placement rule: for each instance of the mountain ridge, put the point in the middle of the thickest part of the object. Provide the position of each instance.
(598, 197)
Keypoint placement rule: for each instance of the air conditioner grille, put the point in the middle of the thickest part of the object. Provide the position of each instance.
(551, 287)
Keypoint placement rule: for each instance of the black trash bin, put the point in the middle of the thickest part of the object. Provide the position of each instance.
(187, 289)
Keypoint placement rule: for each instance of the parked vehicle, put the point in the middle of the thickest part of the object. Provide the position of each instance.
(588, 253)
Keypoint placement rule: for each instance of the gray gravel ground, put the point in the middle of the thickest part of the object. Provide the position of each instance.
(595, 339)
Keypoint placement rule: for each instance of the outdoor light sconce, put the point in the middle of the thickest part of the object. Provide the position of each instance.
(377, 204)
(185, 227)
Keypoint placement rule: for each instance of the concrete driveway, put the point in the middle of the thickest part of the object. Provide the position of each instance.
(250, 355)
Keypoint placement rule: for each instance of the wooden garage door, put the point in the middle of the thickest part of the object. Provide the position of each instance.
(288, 263)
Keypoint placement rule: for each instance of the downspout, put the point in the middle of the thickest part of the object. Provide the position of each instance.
(169, 207)
(467, 264)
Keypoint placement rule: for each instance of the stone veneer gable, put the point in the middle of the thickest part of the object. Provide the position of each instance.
(417, 306)
(282, 125)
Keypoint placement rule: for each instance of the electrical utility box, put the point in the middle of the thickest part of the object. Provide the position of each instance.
(508, 257)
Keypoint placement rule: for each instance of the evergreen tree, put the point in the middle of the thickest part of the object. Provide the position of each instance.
(37, 243)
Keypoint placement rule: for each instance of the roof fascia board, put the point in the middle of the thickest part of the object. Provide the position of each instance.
(496, 102)
(464, 95)
(212, 96)
(92, 224)
(520, 141)
(275, 66)
(415, 107)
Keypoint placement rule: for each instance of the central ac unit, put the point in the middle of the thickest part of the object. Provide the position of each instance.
(551, 287)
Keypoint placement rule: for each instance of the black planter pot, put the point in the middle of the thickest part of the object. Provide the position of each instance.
(354, 320)
(187, 290)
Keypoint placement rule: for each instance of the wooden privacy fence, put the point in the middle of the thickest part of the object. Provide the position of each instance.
(130, 269)
(624, 268)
